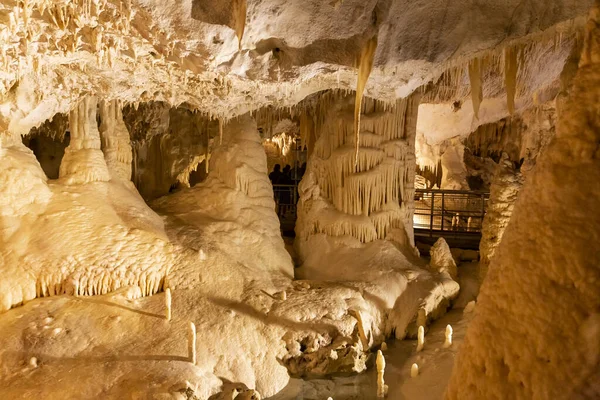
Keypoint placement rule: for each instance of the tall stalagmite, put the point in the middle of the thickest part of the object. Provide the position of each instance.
(506, 184)
(535, 332)
(83, 161)
(115, 140)
(375, 195)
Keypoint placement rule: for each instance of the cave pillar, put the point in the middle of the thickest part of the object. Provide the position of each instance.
(372, 199)
(116, 143)
(505, 187)
(83, 161)
(535, 332)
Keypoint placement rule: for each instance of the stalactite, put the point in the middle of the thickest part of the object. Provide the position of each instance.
(476, 85)
(220, 131)
(238, 8)
(207, 151)
(365, 65)
(510, 77)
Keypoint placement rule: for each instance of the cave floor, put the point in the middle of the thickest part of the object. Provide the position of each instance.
(435, 362)
(435, 367)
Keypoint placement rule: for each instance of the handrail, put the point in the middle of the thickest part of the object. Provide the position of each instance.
(450, 212)
(474, 192)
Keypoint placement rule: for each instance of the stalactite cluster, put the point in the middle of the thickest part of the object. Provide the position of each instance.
(491, 140)
(371, 192)
(99, 281)
(494, 73)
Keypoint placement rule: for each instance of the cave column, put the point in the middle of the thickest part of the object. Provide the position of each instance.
(505, 187)
(116, 143)
(370, 197)
(83, 161)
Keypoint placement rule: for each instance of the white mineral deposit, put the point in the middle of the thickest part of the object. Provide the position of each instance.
(209, 199)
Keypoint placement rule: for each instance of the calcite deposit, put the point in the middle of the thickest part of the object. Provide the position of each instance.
(149, 249)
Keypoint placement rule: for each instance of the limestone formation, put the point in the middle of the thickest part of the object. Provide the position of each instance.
(420, 338)
(506, 184)
(137, 143)
(531, 278)
(115, 141)
(84, 161)
(168, 304)
(381, 386)
(414, 370)
(441, 258)
(192, 343)
(448, 335)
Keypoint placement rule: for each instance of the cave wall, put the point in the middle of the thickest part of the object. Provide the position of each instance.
(535, 333)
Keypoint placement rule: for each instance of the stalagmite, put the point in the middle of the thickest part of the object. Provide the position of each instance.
(448, 341)
(361, 329)
(506, 186)
(116, 143)
(168, 303)
(510, 77)
(476, 86)
(83, 161)
(192, 343)
(365, 65)
(380, 185)
(414, 370)
(382, 388)
(441, 258)
(420, 338)
(384, 346)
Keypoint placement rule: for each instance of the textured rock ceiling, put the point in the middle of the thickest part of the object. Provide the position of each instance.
(186, 51)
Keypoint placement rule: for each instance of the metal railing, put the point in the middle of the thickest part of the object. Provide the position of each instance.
(449, 211)
(286, 198)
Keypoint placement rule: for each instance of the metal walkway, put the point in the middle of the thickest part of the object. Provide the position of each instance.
(455, 215)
